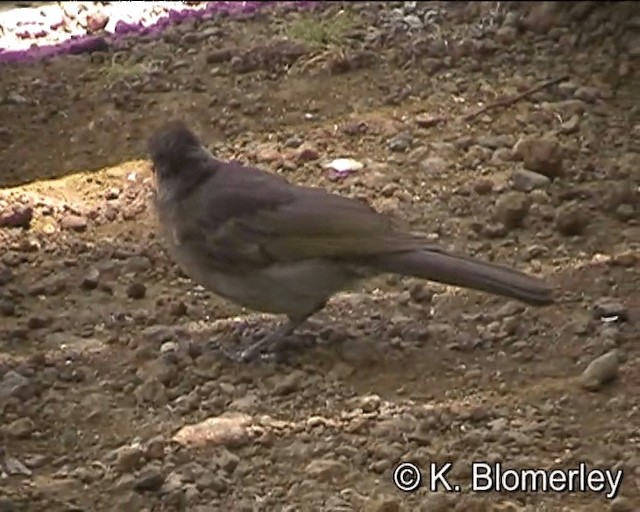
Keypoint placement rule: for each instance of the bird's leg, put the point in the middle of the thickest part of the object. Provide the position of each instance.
(273, 340)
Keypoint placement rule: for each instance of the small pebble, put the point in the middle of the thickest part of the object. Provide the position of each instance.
(400, 143)
(150, 479)
(73, 223)
(601, 371)
(136, 290)
(512, 208)
(526, 181)
(18, 217)
(571, 219)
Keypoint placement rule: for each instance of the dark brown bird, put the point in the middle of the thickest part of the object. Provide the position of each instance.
(269, 245)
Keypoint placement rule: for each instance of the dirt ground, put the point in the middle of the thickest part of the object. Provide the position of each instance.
(105, 347)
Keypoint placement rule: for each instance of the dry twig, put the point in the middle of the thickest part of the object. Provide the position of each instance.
(505, 102)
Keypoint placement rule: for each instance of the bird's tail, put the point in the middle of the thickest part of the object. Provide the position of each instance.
(467, 272)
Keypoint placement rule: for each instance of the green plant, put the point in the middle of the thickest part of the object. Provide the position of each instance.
(321, 32)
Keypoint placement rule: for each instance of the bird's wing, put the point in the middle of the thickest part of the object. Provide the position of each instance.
(320, 224)
(265, 221)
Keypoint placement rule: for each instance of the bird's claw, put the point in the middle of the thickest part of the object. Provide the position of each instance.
(229, 354)
(253, 351)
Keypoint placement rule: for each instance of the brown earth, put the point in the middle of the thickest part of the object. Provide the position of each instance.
(104, 344)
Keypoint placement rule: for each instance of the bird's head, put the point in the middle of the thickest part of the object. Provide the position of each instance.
(176, 151)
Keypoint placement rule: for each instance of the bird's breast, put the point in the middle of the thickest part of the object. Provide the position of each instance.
(293, 289)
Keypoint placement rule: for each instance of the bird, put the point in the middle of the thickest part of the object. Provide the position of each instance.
(262, 242)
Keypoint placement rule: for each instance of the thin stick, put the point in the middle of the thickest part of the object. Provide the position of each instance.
(505, 102)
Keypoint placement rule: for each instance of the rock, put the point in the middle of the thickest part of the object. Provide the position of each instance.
(495, 141)
(626, 259)
(231, 430)
(610, 309)
(49, 286)
(96, 21)
(506, 35)
(174, 482)
(502, 155)
(434, 164)
(150, 478)
(601, 371)
(169, 346)
(20, 428)
(8, 505)
(421, 293)
(587, 94)
(137, 264)
(152, 391)
(625, 212)
(36, 322)
(483, 187)
(215, 482)
(389, 190)
(226, 461)
(526, 181)
(571, 219)
(130, 501)
(13, 466)
(158, 334)
(19, 216)
(14, 384)
(541, 155)
(511, 19)
(511, 209)
(7, 307)
(307, 154)
(341, 167)
(128, 458)
(400, 143)
(536, 251)
(161, 369)
(368, 403)
(73, 223)
(155, 448)
(136, 290)
(511, 308)
(326, 470)
(622, 193)
(495, 230)
(268, 155)
(572, 125)
(293, 142)
(245, 403)
(112, 193)
(541, 17)
(6, 275)
(289, 383)
(91, 280)
(414, 22)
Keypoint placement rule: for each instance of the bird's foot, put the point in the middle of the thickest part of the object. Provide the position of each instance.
(226, 351)
(276, 347)
(271, 348)
(265, 349)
